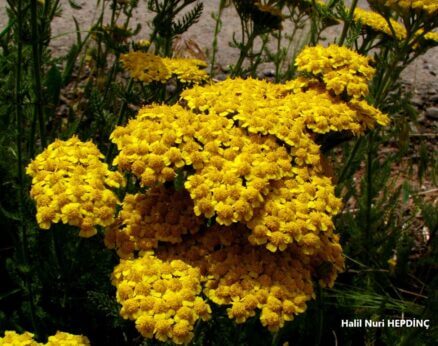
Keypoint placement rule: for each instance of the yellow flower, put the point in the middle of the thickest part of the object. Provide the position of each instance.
(71, 184)
(247, 278)
(339, 67)
(376, 22)
(148, 68)
(169, 311)
(11, 338)
(66, 339)
(429, 7)
(431, 36)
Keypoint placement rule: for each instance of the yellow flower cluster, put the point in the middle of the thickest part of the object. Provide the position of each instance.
(71, 184)
(12, 338)
(340, 68)
(236, 177)
(66, 339)
(296, 210)
(157, 143)
(159, 214)
(378, 23)
(284, 111)
(247, 151)
(161, 296)
(232, 168)
(239, 137)
(429, 7)
(432, 36)
(148, 68)
(251, 278)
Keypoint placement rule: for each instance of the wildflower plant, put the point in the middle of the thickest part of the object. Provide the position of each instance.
(216, 197)
(252, 171)
(253, 187)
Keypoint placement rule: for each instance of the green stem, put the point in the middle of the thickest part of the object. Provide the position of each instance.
(277, 60)
(347, 23)
(369, 178)
(243, 53)
(217, 29)
(110, 78)
(349, 161)
(19, 115)
(122, 111)
(314, 25)
(37, 72)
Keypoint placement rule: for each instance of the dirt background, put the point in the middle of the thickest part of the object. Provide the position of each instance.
(420, 77)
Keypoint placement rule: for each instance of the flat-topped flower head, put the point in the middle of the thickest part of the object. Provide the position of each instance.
(378, 23)
(340, 68)
(148, 68)
(71, 184)
(427, 7)
(162, 297)
(66, 339)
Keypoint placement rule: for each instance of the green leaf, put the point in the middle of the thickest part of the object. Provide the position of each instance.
(10, 215)
(10, 293)
(53, 84)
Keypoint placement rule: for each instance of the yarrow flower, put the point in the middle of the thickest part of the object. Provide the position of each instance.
(296, 211)
(432, 36)
(162, 297)
(12, 338)
(66, 339)
(248, 278)
(159, 214)
(340, 68)
(428, 7)
(157, 143)
(148, 68)
(286, 111)
(70, 184)
(378, 23)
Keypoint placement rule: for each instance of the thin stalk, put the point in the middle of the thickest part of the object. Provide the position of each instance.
(31, 144)
(37, 72)
(119, 119)
(347, 23)
(351, 157)
(369, 178)
(275, 339)
(314, 25)
(110, 78)
(256, 58)
(19, 124)
(217, 29)
(243, 53)
(277, 58)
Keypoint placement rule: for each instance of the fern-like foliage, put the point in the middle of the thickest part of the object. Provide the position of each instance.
(190, 18)
(165, 24)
